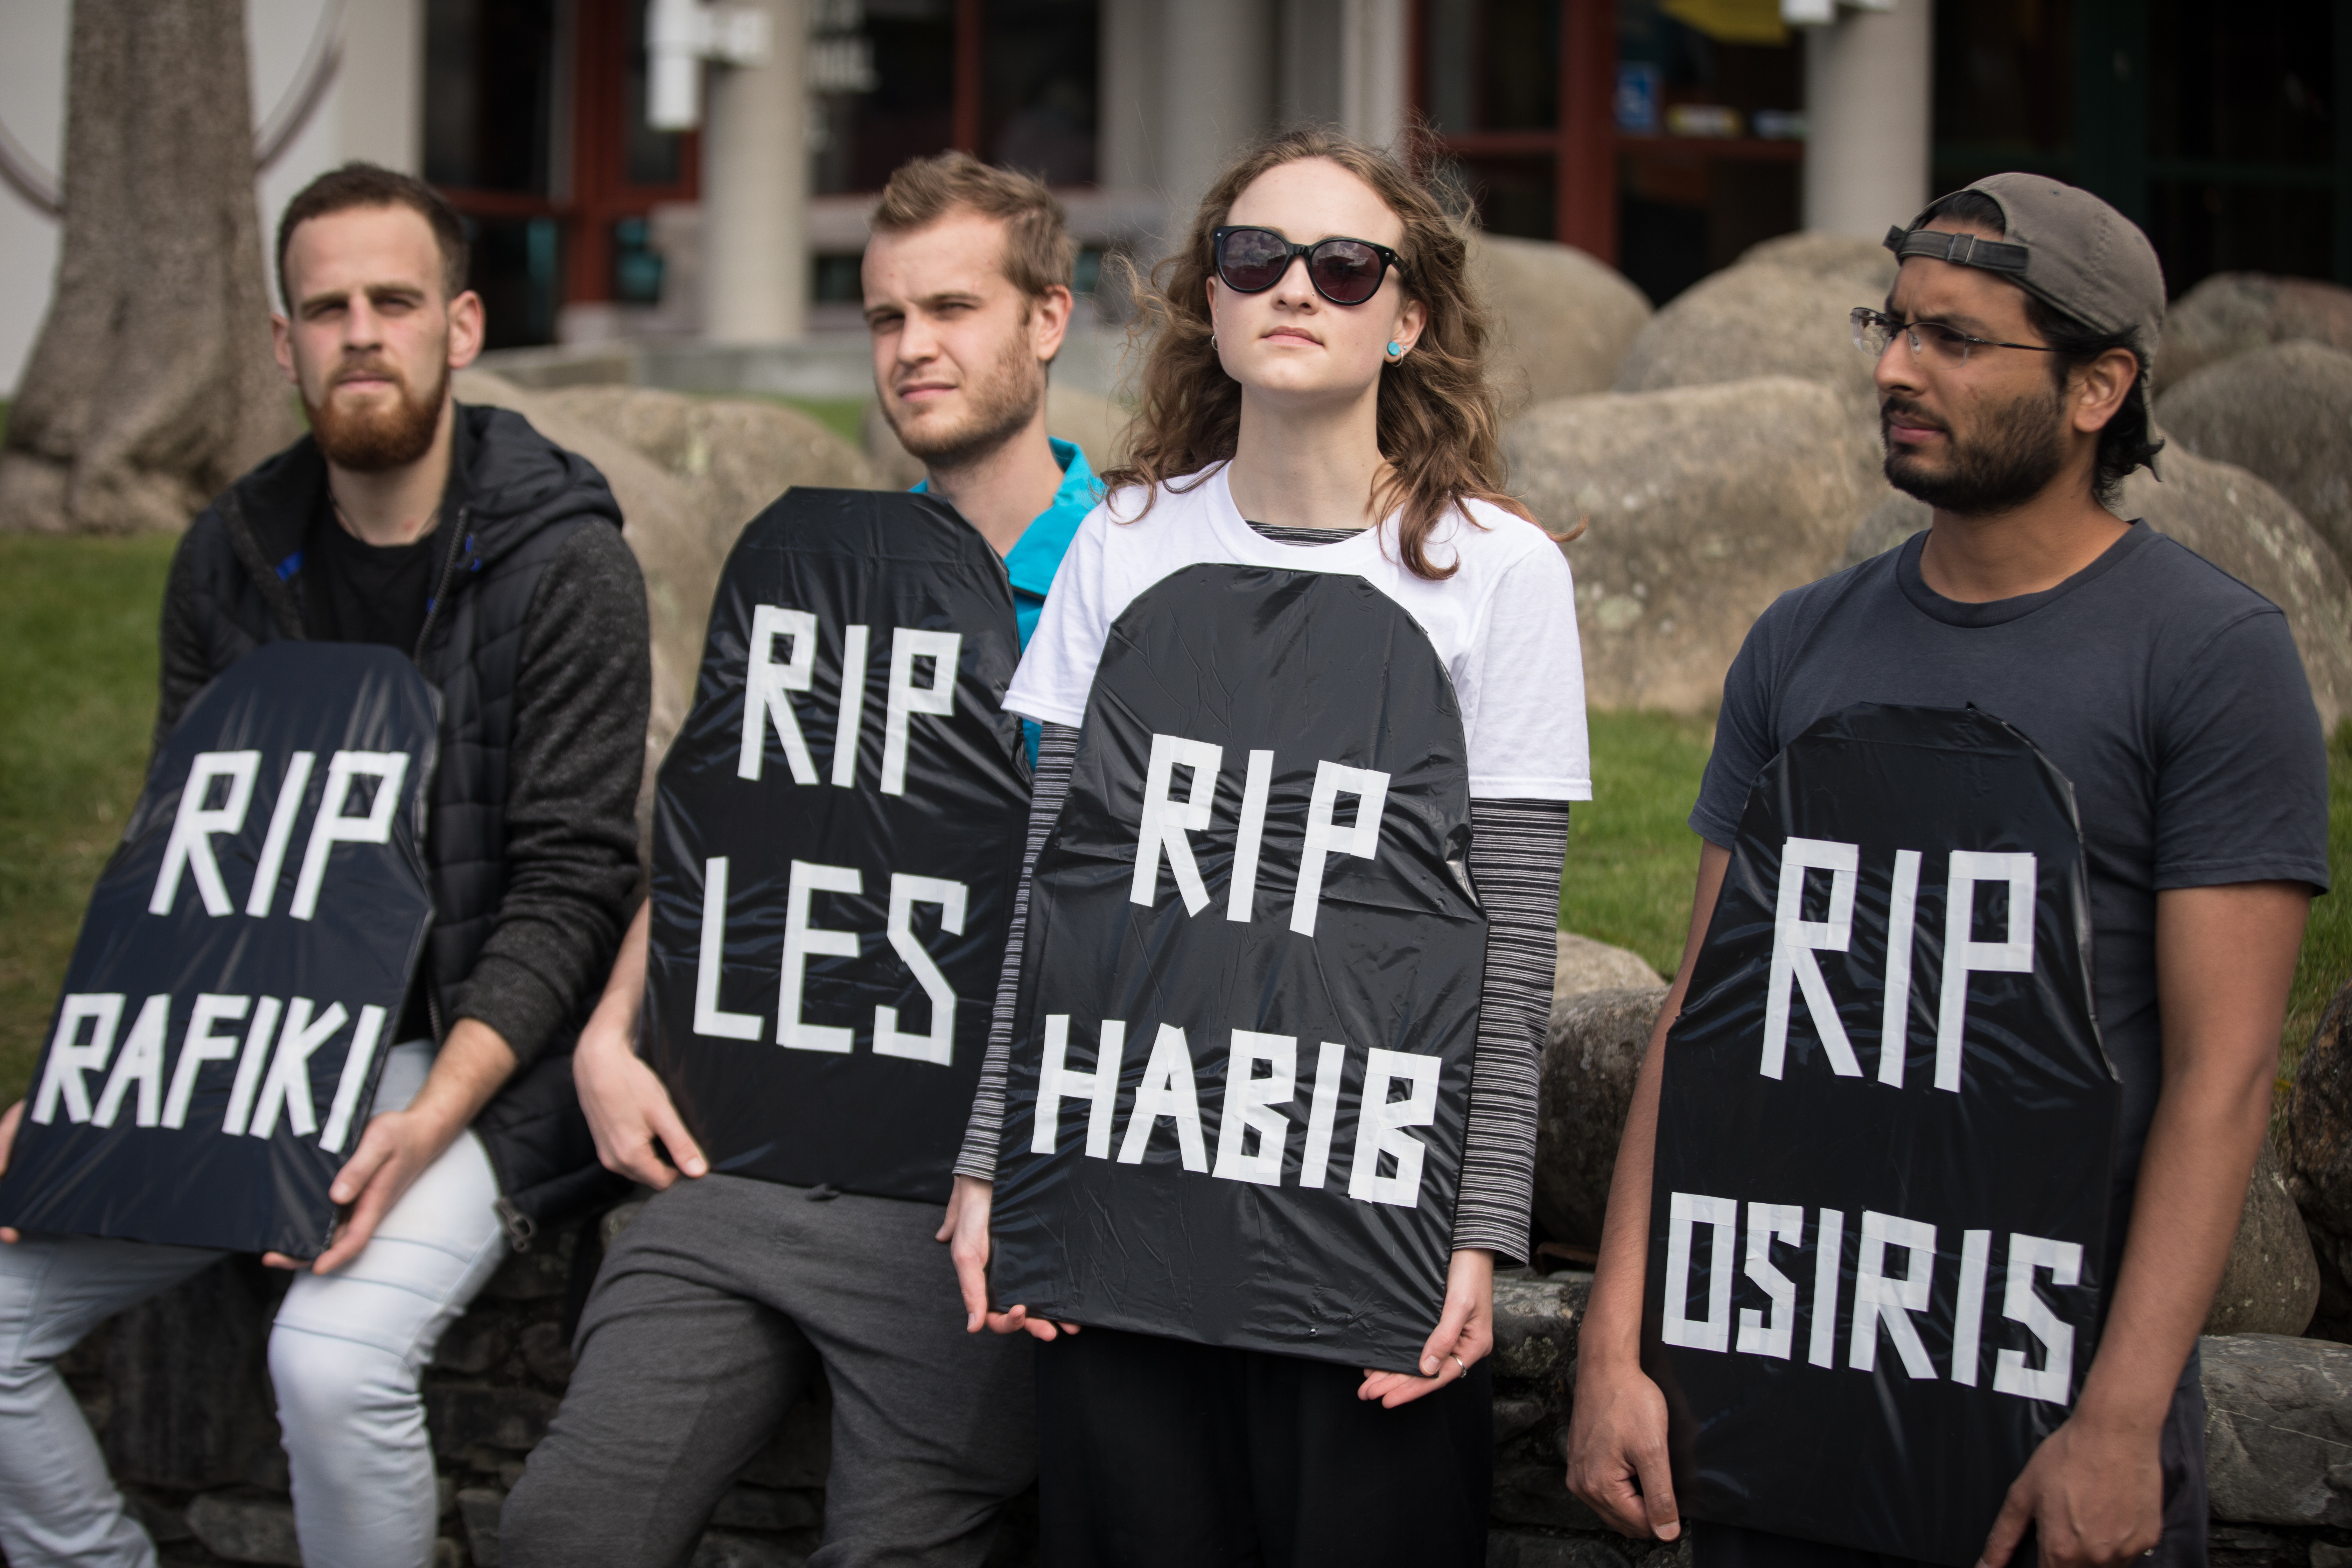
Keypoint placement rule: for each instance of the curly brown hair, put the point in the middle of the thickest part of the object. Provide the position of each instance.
(1439, 429)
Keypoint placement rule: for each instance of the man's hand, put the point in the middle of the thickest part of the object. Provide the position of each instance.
(399, 1145)
(1617, 1453)
(966, 1233)
(1464, 1333)
(628, 1108)
(2093, 1494)
(10, 1119)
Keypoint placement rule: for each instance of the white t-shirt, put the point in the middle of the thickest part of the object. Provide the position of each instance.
(1503, 623)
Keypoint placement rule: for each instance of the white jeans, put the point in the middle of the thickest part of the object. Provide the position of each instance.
(344, 1355)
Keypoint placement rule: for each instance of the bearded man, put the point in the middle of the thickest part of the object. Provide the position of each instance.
(2012, 359)
(494, 560)
(716, 1308)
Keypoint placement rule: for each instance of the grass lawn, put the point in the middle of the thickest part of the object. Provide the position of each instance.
(77, 699)
(78, 694)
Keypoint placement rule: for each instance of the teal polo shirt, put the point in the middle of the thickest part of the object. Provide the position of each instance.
(1037, 555)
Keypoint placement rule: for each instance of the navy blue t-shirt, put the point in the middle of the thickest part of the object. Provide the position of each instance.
(2166, 689)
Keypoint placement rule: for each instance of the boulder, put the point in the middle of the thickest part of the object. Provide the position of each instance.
(2278, 1422)
(1590, 1063)
(249, 1530)
(2232, 312)
(2317, 1149)
(1759, 319)
(1588, 966)
(1565, 317)
(1894, 519)
(735, 456)
(1865, 267)
(2271, 1285)
(1536, 1326)
(1096, 425)
(2235, 521)
(2249, 530)
(1699, 505)
(2283, 412)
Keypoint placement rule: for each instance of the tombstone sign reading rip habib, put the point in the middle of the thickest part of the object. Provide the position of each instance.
(1878, 1239)
(1240, 1063)
(837, 834)
(243, 964)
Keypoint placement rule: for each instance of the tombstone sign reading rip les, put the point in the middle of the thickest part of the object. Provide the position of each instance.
(837, 836)
(1879, 1210)
(242, 964)
(1249, 1001)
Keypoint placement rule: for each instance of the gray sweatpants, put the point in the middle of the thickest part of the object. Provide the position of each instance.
(708, 1319)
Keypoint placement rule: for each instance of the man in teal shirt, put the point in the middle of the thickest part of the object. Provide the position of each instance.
(714, 1308)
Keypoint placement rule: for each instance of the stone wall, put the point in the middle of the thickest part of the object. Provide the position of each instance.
(177, 1390)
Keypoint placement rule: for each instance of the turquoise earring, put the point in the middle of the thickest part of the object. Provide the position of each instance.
(1396, 350)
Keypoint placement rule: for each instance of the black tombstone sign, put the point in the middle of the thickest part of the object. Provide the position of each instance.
(835, 857)
(1879, 1211)
(1249, 1000)
(242, 964)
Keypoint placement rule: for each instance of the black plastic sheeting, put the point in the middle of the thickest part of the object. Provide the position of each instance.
(1964, 1177)
(242, 964)
(1248, 1200)
(796, 1015)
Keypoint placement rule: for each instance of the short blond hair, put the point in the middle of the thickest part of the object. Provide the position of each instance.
(1039, 254)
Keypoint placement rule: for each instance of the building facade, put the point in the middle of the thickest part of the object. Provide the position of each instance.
(1664, 136)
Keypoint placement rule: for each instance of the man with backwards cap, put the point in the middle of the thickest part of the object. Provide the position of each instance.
(2012, 381)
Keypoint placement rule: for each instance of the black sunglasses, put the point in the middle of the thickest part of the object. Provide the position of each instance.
(1344, 271)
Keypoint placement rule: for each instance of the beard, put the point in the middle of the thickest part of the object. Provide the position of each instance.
(374, 438)
(999, 403)
(2011, 460)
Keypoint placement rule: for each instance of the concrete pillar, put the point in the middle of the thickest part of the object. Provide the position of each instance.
(755, 192)
(379, 93)
(1869, 99)
(1216, 91)
(1127, 122)
(1374, 49)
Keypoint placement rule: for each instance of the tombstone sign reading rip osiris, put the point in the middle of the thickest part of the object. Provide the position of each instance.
(1249, 997)
(1879, 1210)
(242, 964)
(836, 837)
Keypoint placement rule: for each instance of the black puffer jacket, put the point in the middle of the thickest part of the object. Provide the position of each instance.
(536, 641)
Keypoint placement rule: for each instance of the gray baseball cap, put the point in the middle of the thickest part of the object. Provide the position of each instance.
(2065, 247)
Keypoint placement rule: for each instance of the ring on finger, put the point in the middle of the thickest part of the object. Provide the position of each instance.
(1458, 1361)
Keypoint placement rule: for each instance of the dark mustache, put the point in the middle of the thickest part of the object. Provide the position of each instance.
(1912, 414)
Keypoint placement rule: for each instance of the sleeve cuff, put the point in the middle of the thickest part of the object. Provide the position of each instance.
(524, 1009)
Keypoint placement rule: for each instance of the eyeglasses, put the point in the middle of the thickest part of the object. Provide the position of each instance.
(1344, 271)
(1931, 341)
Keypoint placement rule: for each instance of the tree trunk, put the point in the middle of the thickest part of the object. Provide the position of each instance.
(152, 384)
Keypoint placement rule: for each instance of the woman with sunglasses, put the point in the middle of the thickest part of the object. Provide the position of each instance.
(1314, 399)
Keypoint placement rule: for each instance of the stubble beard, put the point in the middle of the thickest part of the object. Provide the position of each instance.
(2005, 465)
(375, 439)
(1000, 406)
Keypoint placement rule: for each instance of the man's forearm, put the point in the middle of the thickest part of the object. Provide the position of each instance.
(472, 1065)
(2225, 957)
(613, 1024)
(1611, 1335)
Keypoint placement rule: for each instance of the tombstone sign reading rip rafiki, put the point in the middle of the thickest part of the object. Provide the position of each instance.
(242, 965)
(1241, 1065)
(1879, 1211)
(836, 839)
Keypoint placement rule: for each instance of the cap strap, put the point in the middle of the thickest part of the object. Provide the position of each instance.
(1960, 249)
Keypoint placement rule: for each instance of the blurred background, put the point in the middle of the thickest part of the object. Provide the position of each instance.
(1664, 137)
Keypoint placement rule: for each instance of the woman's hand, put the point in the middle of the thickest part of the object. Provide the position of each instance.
(966, 1233)
(1465, 1334)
